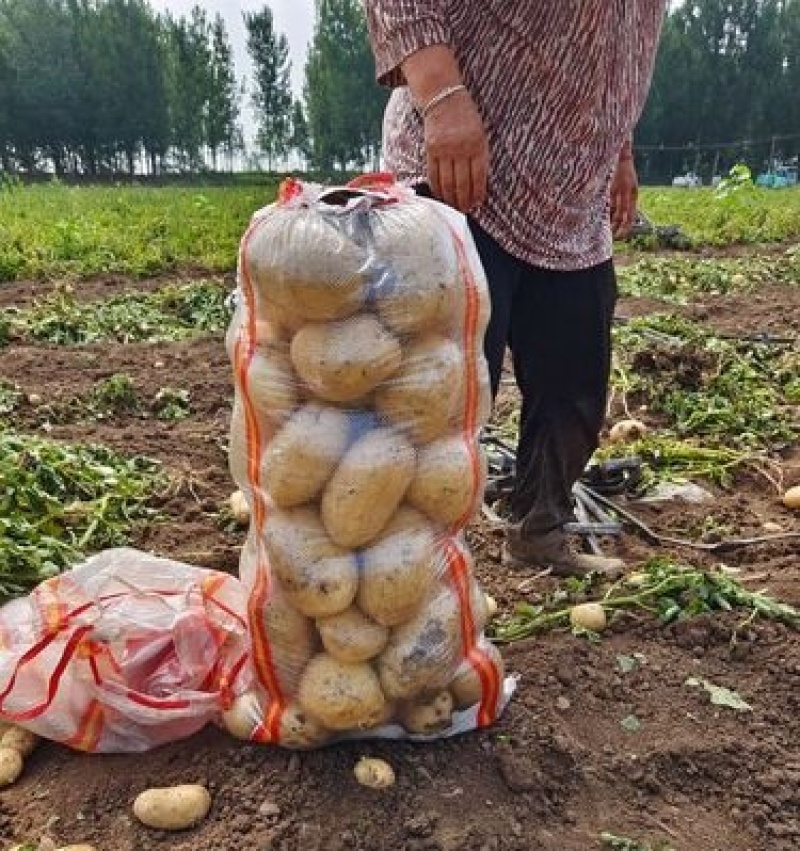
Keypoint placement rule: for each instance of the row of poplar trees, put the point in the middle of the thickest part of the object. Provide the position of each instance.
(95, 87)
(103, 86)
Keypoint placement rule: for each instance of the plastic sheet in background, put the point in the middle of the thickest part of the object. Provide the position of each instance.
(361, 390)
(124, 653)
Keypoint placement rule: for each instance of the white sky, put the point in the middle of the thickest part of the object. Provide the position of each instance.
(294, 18)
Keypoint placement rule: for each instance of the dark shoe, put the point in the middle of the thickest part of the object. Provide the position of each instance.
(551, 551)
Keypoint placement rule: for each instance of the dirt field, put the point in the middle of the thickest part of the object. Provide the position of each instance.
(558, 769)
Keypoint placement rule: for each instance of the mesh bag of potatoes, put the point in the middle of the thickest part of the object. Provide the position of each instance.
(361, 390)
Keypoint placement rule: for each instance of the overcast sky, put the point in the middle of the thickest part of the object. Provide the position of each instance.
(294, 18)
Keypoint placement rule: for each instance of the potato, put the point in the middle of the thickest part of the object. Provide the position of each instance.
(791, 499)
(351, 636)
(292, 637)
(303, 454)
(416, 292)
(367, 487)
(397, 570)
(272, 385)
(422, 654)
(174, 808)
(589, 616)
(341, 695)
(445, 486)
(344, 361)
(300, 730)
(10, 766)
(466, 686)
(80, 847)
(482, 387)
(427, 716)
(626, 431)
(421, 397)
(374, 773)
(239, 509)
(319, 578)
(302, 261)
(20, 740)
(244, 715)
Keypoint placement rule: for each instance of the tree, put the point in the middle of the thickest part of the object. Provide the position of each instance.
(344, 103)
(189, 76)
(300, 141)
(272, 95)
(223, 102)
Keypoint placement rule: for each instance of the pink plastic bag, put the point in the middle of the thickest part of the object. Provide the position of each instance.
(124, 653)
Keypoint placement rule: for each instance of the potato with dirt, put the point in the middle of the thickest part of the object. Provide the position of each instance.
(417, 290)
(422, 654)
(466, 687)
(351, 636)
(305, 264)
(344, 361)
(341, 695)
(367, 487)
(319, 577)
(449, 481)
(272, 385)
(429, 715)
(421, 396)
(173, 808)
(398, 569)
(303, 455)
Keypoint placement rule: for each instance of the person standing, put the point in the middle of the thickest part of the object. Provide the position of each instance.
(521, 114)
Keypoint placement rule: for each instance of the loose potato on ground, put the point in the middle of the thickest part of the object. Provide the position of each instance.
(791, 499)
(343, 361)
(20, 740)
(374, 773)
(301, 261)
(398, 569)
(427, 716)
(626, 431)
(272, 385)
(10, 766)
(292, 637)
(416, 292)
(303, 455)
(466, 686)
(342, 696)
(174, 808)
(319, 577)
(449, 480)
(351, 636)
(420, 398)
(422, 654)
(367, 487)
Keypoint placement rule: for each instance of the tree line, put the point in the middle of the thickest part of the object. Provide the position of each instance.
(104, 86)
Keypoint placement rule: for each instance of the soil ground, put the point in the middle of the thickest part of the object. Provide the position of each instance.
(557, 770)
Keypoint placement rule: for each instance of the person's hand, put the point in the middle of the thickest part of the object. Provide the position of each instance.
(624, 192)
(457, 152)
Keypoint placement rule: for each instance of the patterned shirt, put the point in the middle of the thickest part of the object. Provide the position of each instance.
(560, 85)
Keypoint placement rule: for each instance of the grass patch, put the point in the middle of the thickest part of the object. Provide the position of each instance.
(61, 502)
(175, 312)
(56, 230)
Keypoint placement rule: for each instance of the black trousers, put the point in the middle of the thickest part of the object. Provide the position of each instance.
(558, 327)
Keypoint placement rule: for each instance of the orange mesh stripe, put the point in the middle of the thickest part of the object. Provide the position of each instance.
(459, 569)
(89, 730)
(243, 355)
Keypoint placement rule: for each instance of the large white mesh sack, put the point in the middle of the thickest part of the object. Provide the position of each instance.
(361, 390)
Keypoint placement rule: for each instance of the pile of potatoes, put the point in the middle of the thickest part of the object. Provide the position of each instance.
(367, 350)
